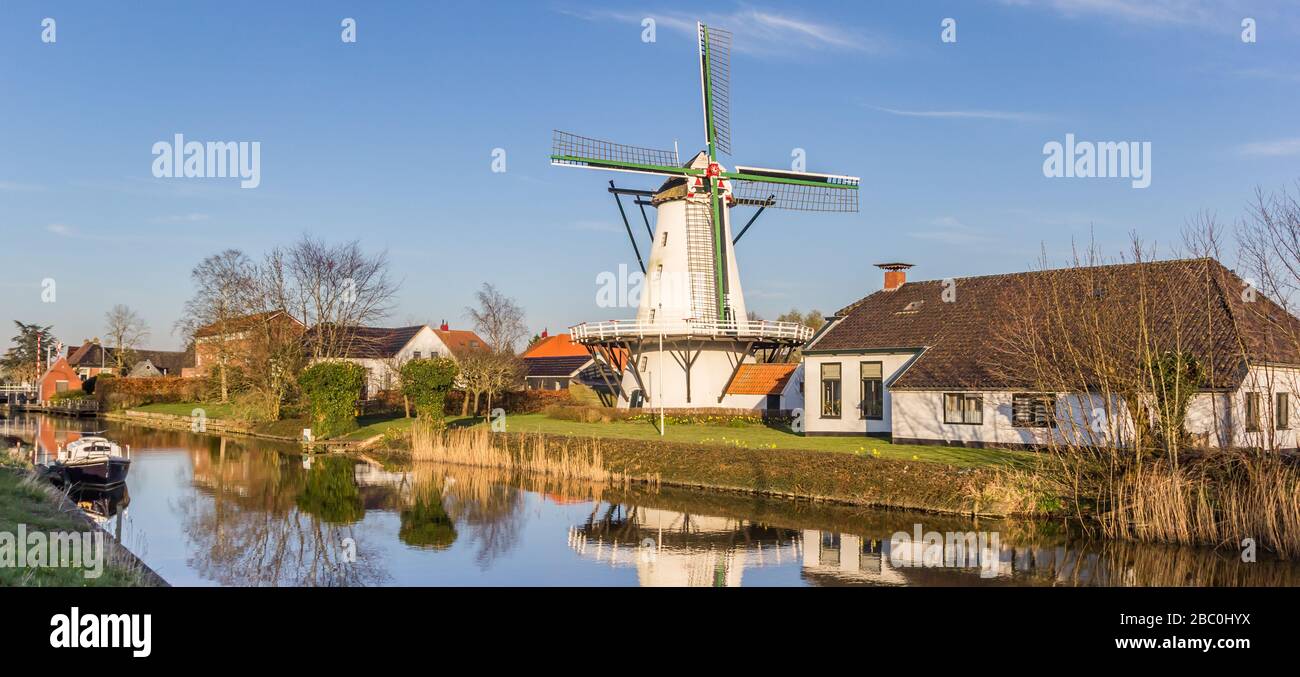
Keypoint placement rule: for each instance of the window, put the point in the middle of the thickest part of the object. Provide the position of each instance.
(1252, 412)
(873, 391)
(1282, 412)
(963, 408)
(1033, 410)
(665, 241)
(831, 390)
(415, 355)
(60, 386)
(773, 402)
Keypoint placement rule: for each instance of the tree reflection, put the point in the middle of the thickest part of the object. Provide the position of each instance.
(259, 519)
(425, 522)
(331, 492)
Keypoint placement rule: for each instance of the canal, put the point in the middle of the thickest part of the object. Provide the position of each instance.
(206, 510)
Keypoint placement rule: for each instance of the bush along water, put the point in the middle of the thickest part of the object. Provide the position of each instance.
(332, 390)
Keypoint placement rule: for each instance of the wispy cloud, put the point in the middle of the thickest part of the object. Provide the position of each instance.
(758, 32)
(60, 229)
(1014, 116)
(1274, 148)
(1201, 12)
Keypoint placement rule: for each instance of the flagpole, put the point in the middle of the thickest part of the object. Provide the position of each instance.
(660, 394)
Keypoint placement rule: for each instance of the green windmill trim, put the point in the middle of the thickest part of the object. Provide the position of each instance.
(796, 182)
(618, 164)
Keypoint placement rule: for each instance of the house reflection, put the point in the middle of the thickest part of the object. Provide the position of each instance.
(670, 548)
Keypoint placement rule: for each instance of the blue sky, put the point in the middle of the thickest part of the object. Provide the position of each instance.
(389, 140)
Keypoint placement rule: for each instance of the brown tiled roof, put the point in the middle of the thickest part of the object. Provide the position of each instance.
(963, 343)
(241, 323)
(761, 379)
(93, 355)
(461, 342)
(368, 342)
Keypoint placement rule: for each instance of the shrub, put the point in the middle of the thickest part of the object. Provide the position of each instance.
(122, 393)
(69, 395)
(94, 381)
(426, 383)
(332, 390)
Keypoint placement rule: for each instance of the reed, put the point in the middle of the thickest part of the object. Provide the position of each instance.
(569, 459)
(1216, 500)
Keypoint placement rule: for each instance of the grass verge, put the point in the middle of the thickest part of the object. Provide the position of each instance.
(31, 502)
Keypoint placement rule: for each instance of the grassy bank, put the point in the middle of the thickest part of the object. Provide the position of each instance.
(749, 436)
(31, 502)
(854, 479)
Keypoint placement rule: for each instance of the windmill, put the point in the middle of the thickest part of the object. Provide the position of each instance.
(691, 325)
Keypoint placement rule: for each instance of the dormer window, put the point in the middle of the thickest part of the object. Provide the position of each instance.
(913, 307)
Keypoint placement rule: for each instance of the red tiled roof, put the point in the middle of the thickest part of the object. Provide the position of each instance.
(557, 345)
(964, 343)
(761, 379)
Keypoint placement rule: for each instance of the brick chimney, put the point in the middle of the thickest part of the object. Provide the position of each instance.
(444, 326)
(895, 274)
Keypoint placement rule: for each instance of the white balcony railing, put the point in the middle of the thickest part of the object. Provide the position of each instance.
(746, 329)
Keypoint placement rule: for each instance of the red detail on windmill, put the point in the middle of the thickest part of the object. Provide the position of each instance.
(714, 170)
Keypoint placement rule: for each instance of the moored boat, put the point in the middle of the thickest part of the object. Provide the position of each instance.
(90, 461)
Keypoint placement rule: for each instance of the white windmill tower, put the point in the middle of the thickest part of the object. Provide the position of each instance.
(692, 333)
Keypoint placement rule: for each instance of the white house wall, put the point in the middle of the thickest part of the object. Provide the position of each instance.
(917, 415)
(850, 421)
(1221, 417)
(380, 372)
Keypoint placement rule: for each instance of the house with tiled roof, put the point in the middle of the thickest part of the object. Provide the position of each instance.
(383, 350)
(236, 337)
(555, 362)
(770, 386)
(90, 359)
(944, 361)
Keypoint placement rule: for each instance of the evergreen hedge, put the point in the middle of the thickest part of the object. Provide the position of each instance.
(426, 383)
(332, 390)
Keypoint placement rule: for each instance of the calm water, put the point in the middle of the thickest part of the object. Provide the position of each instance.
(206, 510)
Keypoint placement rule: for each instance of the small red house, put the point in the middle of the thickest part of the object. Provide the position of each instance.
(60, 378)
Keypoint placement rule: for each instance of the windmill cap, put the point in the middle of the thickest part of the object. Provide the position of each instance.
(893, 266)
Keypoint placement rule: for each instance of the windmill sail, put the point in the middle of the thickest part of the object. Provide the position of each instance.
(715, 86)
(571, 150)
(799, 191)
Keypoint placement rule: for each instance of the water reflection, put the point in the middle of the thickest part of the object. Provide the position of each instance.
(208, 510)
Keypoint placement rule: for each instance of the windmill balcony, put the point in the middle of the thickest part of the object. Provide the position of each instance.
(760, 330)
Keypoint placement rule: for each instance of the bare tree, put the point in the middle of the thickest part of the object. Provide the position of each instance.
(333, 289)
(498, 319)
(127, 330)
(224, 285)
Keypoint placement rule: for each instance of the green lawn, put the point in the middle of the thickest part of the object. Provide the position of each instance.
(755, 436)
(751, 436)
(377, 425)
(211, 410)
